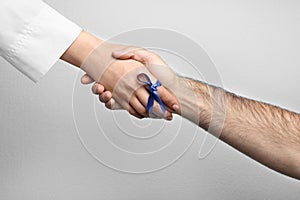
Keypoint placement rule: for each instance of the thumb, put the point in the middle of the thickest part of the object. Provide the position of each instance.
(169, 99)
(129, 53)
(138, 54)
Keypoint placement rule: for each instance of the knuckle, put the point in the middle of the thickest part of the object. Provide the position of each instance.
(142, 49)
(94, 91)
(102, 98)
(153, 55)
(108, 105)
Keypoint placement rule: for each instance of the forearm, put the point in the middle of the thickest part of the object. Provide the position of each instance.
(266, 133)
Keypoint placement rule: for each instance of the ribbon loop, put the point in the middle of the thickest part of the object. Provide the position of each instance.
(153, 93)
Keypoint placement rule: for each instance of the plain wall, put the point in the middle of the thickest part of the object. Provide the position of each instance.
(255, 46)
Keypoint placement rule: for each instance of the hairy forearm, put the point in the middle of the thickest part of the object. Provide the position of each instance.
(268, 134)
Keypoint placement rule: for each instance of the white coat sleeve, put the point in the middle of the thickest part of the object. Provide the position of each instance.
(33, 36)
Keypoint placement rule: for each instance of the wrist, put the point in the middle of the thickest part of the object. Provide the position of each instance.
(83, 45)
(211, 104)
(187, 98)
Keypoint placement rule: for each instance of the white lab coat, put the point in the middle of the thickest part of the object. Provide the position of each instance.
(33, 36)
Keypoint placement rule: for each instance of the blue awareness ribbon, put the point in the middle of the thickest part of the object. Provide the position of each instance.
(153, 93)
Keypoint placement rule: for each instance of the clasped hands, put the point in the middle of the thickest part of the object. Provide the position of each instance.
(114, 68)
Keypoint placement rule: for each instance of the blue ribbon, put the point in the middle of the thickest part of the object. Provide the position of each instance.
(153, 93)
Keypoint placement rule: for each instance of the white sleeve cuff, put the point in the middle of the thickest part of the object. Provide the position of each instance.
(41, 42)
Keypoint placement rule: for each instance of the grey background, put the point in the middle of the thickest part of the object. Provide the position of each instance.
(255, 46)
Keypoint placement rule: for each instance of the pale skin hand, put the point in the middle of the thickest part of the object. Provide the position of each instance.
(109, 71)
(266, 133)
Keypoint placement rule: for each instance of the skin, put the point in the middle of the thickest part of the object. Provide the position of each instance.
(264, 132)
(113, 71)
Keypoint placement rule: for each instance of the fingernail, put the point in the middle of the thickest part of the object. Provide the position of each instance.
(175, 107)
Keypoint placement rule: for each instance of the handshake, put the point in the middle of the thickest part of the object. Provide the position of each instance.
(140, 82)
(136, 80)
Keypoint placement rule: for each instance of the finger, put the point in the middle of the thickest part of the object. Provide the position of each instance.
(125, 53)
(156, 110)
(138, 106)
(143, 96)
(126, 106)
(113, 105)
(97, 88)
(169, 99)
(86, 79)
(110, 104)
(135, 53)
(139, 54)
(134, 113)
(105, 96)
